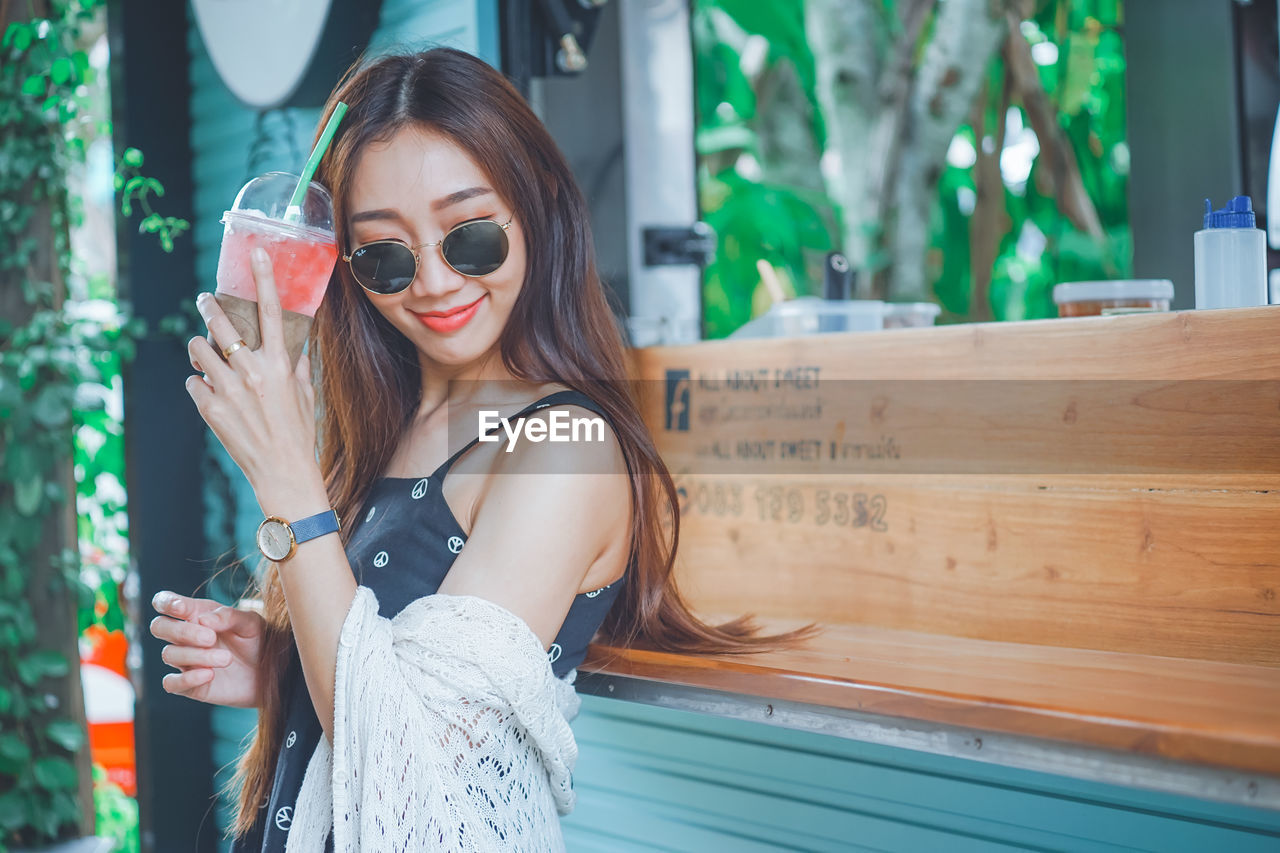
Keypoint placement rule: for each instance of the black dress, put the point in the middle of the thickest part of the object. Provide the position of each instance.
(405, 541)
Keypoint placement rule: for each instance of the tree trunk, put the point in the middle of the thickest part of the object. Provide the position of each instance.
(890, 121)
(50, 601)
(1059, 168)
(784, 118)
(966, 35)
(844, 36)
(990, 220)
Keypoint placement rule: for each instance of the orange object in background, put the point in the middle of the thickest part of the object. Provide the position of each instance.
(108, 705)
(1124, 296)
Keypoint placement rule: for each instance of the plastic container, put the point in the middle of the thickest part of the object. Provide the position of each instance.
(302, 253)
(810, 315)
(1231, 257)
(1122, 296)
(900, 315)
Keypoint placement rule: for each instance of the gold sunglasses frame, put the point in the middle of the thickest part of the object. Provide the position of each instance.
(417, 258)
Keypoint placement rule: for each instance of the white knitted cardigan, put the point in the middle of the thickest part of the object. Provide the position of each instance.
(450, 732)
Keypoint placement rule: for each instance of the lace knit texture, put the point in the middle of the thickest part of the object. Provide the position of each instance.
(451, 733)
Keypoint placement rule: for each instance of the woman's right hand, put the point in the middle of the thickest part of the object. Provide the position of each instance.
(215, 649)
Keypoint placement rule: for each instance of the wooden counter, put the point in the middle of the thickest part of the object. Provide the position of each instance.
(1088, 558)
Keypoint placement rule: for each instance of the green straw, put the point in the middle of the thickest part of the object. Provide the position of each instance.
(294, 212)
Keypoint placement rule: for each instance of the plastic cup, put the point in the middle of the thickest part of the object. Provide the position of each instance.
(302, 253)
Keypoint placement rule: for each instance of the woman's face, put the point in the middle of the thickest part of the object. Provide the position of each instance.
(414, 188)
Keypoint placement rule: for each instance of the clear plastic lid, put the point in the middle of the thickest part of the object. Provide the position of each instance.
(904, 314)
(1109, 291)
(808, 315)
(267, 197)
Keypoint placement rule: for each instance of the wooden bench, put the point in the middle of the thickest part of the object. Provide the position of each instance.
(1116, 620)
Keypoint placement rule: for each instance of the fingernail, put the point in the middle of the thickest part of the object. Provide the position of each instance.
(203, 297)
(161, 600)
(222, 657)
(259, 255)
(207, 638)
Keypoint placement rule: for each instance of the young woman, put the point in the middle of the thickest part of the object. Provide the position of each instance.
(413, 674)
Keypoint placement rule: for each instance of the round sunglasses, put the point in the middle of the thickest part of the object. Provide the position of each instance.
(473, 249)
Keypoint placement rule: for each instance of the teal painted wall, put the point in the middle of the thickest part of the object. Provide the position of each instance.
(231, 144)
(655, 779)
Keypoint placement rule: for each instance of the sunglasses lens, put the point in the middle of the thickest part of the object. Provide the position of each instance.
(477, 248)
(384, 267)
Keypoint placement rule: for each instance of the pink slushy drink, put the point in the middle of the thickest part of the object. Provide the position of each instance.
(301, 247)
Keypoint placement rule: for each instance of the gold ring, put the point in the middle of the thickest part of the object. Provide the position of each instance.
(226, 353)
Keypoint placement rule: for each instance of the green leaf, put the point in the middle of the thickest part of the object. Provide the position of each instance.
(55, 774)
(66, 734)
(65, 807)
(25, 626)
(62, 71)
(13, 811)
(37, 665)
(34, 85)
(14, 754)
(53, 407)
(22, 37)
(26, 495)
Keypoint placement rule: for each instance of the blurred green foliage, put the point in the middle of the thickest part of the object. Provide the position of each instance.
(43, 361)
(755, 215)
(59, 389)
(1079, 53)
(117, 814)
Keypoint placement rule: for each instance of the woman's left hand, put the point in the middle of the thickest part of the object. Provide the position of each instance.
(261, 408)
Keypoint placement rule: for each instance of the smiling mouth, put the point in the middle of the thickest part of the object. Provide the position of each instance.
(450, 313)
(449, 321)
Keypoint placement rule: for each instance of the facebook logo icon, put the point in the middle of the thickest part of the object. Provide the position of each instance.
(678, 400)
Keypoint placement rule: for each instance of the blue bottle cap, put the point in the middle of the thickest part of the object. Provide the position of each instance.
(1237, 214)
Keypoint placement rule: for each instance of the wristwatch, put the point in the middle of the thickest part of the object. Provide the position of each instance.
(278, 539)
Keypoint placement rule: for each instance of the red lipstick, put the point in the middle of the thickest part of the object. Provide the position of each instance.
(449, 321)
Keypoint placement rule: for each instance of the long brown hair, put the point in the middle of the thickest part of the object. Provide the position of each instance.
(560, 330)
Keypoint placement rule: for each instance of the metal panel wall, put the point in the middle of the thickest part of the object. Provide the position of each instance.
(1184, 130)
(657, 112)
(653, 778)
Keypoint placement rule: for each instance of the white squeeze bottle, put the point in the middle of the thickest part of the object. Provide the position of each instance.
(1231, 257)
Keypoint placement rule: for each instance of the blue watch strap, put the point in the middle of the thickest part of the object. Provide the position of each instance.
(315, 525)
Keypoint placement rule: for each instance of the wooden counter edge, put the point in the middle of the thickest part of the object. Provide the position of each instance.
(1167, 740)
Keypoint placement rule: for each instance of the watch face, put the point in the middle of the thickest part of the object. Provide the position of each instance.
(274, 540)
